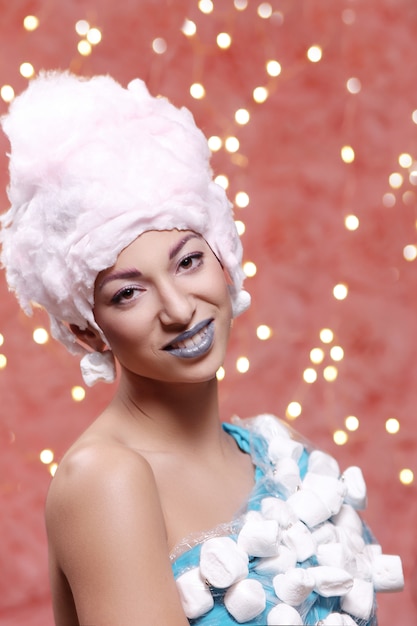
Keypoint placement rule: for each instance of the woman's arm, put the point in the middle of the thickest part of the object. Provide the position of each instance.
(107, 533)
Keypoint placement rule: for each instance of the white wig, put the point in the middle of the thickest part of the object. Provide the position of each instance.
(92, 166)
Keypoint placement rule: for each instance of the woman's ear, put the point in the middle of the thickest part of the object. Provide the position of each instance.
(88, 336)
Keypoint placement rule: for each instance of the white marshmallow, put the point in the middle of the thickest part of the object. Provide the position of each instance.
(336, 555)
(308, 507)
(359, 600)
(330, 490)
(299, 539)
(222, 562)
(282, 447)
(337, 619)
(268, 426)
(279, 564)
(362, 567)
(287, 475)
(245, 600)
(284, 615)
(351, 538)
(387, 573)
(195, 596)
(331, 581)
(356, 494)
(348, 518)
(326, 533)
(321, 463)
(277, 509)
(259, 538)
(294, 586)
(372, 550)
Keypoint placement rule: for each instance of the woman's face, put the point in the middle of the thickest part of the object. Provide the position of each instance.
(165, 308)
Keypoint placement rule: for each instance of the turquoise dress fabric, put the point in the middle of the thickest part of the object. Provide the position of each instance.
(315, 607)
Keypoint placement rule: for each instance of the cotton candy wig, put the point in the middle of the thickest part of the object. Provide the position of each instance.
(92, 166)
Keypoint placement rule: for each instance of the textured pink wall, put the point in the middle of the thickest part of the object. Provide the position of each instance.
(300, 193)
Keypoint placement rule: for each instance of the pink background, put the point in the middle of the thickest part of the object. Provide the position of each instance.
(300, 192)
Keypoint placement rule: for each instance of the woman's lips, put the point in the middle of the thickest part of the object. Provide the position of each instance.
(194, 342)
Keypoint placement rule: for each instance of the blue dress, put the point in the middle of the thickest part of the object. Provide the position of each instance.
(318, 528)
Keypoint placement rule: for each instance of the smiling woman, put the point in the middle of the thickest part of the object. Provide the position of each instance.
(159, 513)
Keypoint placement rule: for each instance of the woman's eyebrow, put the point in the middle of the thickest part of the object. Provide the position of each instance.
(127, 274)
(180, 244)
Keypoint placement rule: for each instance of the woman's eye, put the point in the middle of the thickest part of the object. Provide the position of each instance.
(191, 261)
(125, 294)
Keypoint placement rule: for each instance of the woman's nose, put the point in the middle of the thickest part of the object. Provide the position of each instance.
(177, 306)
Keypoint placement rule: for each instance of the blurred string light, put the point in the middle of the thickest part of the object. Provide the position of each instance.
(206, 6)
(159, 45)
(264, 10)
(406, 476)
(189, 28)
(214, 143)
(197, 91)
(30, 22)
(40, 336)
(348, 154)
(352, 423)
(314, 54)
(242, 199)
(351, 222)
(7, 93)
(224, 40)
(27, 70)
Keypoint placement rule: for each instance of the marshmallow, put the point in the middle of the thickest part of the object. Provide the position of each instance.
(195, 596)
(287, 475)
(336, 555)
(321, 463)
(268, 426)
(331, 581)
(245, 600)
(359, 600)
(284, 615)
(351, 538)
(279, 564)
(274, 508)
(337, 619)
(294, 586)
(282, 447)
(326, 533)
(299, 539)
(222, 562)
(355, 488)
(387, 573)
(308, 507)
(259, 538)
(330, 490)
(348, 518)
(362, 567)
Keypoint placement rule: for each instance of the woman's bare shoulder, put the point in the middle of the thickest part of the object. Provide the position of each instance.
(94, 470)
(107, 535)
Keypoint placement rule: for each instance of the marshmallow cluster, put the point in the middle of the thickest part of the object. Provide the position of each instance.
(301, 541)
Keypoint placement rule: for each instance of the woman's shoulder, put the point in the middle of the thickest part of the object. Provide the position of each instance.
(97, 473)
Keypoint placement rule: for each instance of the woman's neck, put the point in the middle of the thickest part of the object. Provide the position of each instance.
(163, 413)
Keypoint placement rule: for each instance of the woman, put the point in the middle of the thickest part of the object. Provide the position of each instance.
(159, 513)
